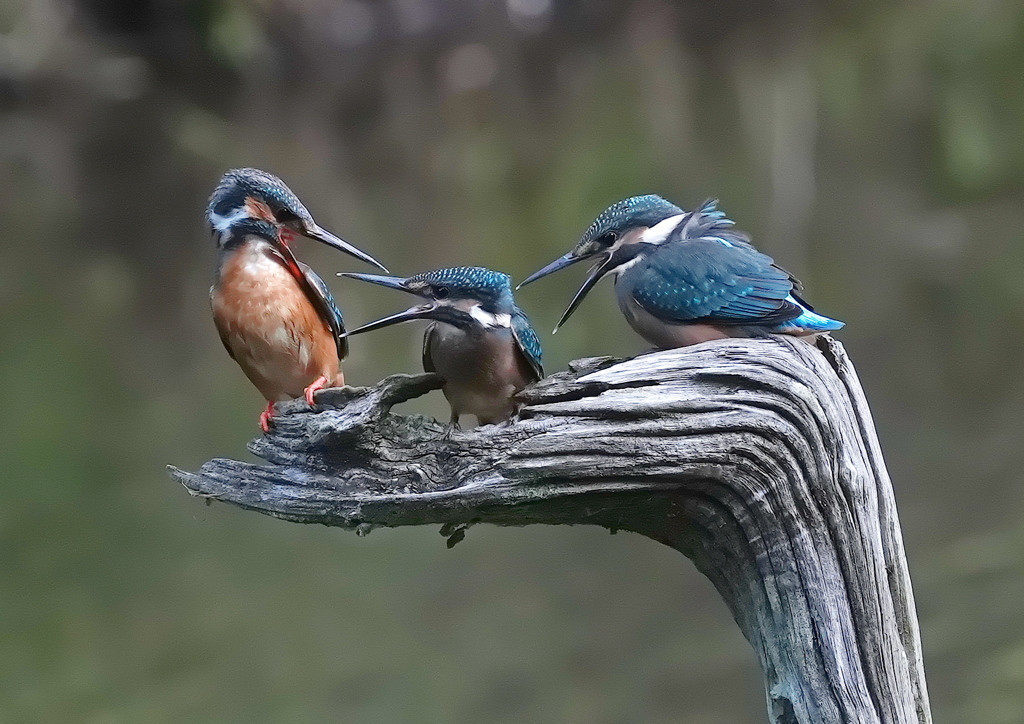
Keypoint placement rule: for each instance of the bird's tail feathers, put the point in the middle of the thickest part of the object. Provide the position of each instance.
(810, 321)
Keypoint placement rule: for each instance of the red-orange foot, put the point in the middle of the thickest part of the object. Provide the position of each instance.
(318, 384)
(268, 412)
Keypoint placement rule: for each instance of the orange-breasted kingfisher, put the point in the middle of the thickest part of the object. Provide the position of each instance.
(683, 278)
(275, 316)
(479, 341)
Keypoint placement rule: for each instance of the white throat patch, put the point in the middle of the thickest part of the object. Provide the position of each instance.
(488, 319)
(632, 262)
(223, 222)
(658, 233)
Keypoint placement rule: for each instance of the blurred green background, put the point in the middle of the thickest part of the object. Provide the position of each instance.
(875, 148)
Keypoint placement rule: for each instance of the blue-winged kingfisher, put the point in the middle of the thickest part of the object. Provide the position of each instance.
(275, 316)
(683, 278)
(479, 341)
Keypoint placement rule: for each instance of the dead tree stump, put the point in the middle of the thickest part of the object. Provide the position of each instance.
(756, 458)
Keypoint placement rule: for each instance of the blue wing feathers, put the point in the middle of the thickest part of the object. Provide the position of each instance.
(528, 340)
(710, 272)
(705, 279)
(707, 271)
(323, 300)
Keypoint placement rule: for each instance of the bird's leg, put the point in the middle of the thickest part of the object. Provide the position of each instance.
(318, 384)
(265, 416)
(453, 424)
(514, 417)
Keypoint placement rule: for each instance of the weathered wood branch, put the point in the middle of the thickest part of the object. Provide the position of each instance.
(756, 458)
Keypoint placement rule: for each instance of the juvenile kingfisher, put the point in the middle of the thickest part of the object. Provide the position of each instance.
(683, 278)
(479, 341)
(275, 316)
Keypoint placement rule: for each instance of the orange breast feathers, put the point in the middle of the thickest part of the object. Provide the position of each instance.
(270, 327)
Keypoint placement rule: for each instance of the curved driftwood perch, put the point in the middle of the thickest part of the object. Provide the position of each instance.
(755, 458)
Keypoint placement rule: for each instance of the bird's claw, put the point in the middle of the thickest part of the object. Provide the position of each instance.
(452, 426)
(318, 384)
(265, 417)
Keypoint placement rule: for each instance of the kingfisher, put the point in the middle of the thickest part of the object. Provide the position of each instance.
(478, 340)
(683, 278)
(275, 316)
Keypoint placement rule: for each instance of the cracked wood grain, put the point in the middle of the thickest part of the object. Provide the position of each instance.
(756, 458)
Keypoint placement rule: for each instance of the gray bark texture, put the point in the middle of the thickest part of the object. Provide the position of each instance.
(756, 458)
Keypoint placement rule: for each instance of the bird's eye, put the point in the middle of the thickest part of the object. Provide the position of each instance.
(608, 238)
(441, 292)
(284, 215)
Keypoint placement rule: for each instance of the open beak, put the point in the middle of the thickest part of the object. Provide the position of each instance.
(599, 270)
(313, 231)
(560, 263)
(424, 311)
(392, 282)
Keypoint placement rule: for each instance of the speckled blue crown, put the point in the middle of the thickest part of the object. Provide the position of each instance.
(645, 210)
(468, 278)
(238, 183)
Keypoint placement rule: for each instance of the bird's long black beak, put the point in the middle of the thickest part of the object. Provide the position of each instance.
(392, 282)
(314, 231)
(599, 270)
(560, 263)
(424, 311)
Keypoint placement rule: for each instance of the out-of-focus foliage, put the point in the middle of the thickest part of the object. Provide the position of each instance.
(875, 148)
